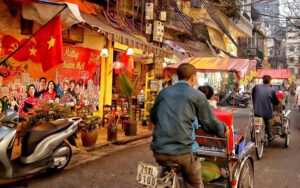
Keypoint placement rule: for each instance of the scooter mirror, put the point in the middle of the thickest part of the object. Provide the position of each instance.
(9, 116)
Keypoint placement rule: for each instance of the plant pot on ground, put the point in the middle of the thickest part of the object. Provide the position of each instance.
(112, 129)
(127, 89)
(130, 128)
(89, 127)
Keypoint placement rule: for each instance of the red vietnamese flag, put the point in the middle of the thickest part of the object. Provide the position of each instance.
(49, 44)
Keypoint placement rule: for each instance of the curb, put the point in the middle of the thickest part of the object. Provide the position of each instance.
(119, 142)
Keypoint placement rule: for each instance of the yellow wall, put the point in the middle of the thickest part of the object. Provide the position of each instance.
(93, 40)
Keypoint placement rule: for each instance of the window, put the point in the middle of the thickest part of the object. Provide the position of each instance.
(292, 48)
(291, 59)
(267, 23)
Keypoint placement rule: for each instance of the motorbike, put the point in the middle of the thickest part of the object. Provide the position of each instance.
(240, 100)
(43, 147)
(243, 100)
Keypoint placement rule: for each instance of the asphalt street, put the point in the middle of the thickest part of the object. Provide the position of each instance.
(279, 167)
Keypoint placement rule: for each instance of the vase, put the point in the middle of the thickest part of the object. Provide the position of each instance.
(130, 128)
(112, 133)
(89, 137)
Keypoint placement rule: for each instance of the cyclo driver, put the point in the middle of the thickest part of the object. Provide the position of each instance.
(264, 98)
(175, 114)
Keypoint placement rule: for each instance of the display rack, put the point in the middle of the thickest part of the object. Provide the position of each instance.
(151, 90)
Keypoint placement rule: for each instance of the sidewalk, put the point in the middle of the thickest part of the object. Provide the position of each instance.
(103, 147)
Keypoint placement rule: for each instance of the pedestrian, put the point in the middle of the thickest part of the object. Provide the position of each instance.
(264, 98)
(175, 115)
(297, 96)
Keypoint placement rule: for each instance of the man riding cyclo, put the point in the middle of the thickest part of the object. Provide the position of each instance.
(175, 114)
(264, 97)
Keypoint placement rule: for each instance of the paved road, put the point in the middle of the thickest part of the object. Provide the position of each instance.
(279, 167)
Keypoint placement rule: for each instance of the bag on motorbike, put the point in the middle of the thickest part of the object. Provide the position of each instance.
(209, 171)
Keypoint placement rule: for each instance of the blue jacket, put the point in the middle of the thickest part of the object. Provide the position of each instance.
(175, 114)
(264, 98)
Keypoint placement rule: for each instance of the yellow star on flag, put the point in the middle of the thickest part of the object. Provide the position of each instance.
(32, 51)
(51, 42)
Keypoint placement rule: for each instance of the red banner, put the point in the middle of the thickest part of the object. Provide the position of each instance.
(78, 62)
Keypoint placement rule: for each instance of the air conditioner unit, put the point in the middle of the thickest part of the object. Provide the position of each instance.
(158, 31)
(163, 16)
(148, 28)
(149, 11)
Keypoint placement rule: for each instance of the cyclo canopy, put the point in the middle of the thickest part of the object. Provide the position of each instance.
(241, 67)
(274, 73)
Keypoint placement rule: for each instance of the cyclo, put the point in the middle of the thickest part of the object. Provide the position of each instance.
(229, 156)
(227, 161)
(280, 123)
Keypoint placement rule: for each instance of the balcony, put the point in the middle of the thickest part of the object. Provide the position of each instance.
(254, 52)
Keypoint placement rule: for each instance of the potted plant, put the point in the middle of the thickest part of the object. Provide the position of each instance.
(88, 126)
(127, 89)
(112, 129)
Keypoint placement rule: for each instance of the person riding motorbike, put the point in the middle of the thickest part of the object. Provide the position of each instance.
(264, 98)
(175, 115)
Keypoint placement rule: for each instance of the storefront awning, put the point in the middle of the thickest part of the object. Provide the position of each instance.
(274, 73)
(83, 6)
(121, 37)
(43, 11)
(216, 64)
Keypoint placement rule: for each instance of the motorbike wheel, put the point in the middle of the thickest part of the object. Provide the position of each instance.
(246, 178)
(63, 159)
(287, 134)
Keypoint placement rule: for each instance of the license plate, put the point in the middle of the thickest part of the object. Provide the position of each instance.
(147, 174)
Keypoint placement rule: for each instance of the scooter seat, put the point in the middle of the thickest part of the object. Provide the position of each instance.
(35, 135)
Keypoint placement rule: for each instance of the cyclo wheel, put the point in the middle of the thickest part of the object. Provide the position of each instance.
(287, 134)
(286, 140)
(246, 178)
(259, 142)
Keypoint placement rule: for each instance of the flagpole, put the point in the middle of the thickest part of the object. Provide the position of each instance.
(29, 39)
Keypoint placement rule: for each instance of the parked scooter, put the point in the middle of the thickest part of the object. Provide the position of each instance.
(43, 147)
(243, 100)
(240, 100)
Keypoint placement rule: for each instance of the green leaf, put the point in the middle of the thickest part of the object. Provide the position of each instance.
(126, 86)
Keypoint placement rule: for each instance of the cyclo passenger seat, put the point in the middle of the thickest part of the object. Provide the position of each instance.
(32, 137)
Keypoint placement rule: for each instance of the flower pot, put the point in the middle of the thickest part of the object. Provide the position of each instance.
(112, 133)
(130, 128)
(89, 137)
